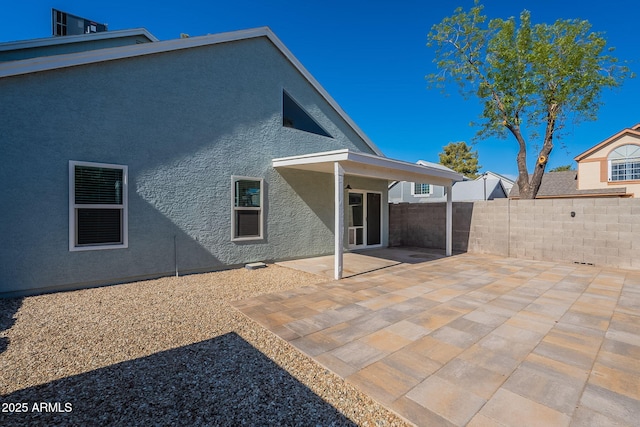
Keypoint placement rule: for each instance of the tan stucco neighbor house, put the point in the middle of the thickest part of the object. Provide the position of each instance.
(612, 164)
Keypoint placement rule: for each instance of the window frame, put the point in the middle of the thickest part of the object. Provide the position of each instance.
(234, 209)
(320, 131)
(413, 189)
(628, 162)
(73, 208)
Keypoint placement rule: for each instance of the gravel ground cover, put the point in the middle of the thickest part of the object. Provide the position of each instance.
(170, 351)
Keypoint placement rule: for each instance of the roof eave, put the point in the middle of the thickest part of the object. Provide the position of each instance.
(60, 40)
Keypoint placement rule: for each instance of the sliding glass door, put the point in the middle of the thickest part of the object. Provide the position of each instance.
(364, 219)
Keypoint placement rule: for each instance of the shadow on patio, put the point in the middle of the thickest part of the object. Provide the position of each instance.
(365, 261)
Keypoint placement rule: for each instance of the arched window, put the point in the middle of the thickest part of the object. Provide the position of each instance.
(624, 163)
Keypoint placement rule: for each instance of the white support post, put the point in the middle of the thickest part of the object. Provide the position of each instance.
(338, 174)
(449, 225)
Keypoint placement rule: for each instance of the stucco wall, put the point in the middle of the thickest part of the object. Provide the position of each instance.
(424, 224)
(183, 122)
(603, 232)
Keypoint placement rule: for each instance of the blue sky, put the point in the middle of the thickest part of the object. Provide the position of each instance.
(371, 56)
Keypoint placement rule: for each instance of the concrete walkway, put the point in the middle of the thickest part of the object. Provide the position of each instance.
(475, 340)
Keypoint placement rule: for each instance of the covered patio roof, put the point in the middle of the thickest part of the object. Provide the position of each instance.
(341, 162)
(371, 166)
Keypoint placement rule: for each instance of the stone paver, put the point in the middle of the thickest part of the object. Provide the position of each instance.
(472, 339)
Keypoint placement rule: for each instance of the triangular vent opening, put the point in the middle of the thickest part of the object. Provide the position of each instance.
(294, 116)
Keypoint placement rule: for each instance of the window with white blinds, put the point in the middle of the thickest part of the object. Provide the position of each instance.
(97, 206)
(247, 214)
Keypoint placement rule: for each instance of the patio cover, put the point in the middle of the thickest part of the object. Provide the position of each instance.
(341, 162)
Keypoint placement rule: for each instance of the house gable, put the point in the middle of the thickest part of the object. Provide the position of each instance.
(603, 148)
(28, 66)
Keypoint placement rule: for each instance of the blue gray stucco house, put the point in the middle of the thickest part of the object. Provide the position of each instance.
(138, 158)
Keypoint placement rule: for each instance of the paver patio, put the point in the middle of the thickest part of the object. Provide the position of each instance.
(473, 339)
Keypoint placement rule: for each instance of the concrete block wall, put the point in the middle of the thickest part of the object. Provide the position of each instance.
(424, 224)
(598, 231)
(488, 227)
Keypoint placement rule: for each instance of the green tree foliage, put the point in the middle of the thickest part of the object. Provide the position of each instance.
(526, 76)
(562, 168)
(459, 157)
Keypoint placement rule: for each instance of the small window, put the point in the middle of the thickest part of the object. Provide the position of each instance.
(97, 206)
(624, 163)
(60, 22)
(247, 215)
(294, 116)
(420, 189)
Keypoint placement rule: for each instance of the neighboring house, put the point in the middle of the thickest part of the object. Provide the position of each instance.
(181, 156)
(612, 164)
(507, 184)
(563, 184)
(463, 191)
(609, 169)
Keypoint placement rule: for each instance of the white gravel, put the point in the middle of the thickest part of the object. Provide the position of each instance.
(170, 351)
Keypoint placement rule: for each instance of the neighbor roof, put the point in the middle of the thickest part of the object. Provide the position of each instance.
(564, 184)
(41, 64)
(498, 176)
(634, 130)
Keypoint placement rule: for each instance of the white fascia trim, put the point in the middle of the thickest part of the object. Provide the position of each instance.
(307, 159)
(345, 155)
(61, 40)
(35, 65)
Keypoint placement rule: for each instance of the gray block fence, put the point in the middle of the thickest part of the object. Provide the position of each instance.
(598, 231)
